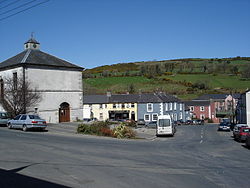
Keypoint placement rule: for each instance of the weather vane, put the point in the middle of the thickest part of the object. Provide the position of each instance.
(32, 35)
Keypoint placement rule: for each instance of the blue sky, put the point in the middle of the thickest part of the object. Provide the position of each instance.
(92, 33)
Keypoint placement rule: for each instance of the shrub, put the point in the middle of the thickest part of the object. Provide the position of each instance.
(130, 123)
(123, 131)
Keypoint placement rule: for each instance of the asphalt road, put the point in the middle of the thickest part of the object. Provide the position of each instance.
(198, 156)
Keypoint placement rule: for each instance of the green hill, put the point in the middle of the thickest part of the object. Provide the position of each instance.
(186, 78)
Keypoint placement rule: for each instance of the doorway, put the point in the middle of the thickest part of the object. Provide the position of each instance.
(64, 112)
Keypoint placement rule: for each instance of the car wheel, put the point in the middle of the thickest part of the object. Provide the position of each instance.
(25, 128)
(9, 126)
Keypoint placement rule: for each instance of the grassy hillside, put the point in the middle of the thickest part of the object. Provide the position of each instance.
(186, 78)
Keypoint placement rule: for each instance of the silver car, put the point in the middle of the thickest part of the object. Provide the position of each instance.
(27, 121)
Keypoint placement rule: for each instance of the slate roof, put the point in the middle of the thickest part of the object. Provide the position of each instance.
(197, 103)
(212, 96)
(32, 40)
(217, 96)
(129, 98)
(38, 58)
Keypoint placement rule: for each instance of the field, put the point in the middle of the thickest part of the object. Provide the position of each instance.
(185, 78)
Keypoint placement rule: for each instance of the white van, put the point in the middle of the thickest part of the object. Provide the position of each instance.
(165, 126)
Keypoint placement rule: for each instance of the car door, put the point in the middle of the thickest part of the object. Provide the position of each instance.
(14, 122)
(22, 121)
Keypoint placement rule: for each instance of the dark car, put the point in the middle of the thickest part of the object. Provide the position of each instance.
(242, 134)
(140, 123)
(223, 126)
(237, 128)
(248, 141)
(151, 124)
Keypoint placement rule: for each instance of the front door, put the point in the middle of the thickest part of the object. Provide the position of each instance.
(64, 112)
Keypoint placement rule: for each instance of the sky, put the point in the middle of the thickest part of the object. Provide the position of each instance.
(92, 33)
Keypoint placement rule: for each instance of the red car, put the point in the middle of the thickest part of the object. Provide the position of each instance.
(242, 134)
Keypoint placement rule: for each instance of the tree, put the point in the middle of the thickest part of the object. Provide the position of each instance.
(246, 72)
(18, 95)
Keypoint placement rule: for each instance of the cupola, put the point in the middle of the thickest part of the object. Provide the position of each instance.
(32, 44)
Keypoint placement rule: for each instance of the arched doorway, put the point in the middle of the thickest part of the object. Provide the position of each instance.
(64, 112)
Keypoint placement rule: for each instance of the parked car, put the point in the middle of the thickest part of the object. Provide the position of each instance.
(4, 118)
(241, 135)
(223, 126)
(140, 123)
(27, 121)
(151, 124)
(237, 127)
(248, 141)
(189, 122)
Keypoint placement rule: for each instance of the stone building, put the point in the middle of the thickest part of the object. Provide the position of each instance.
(58, 81)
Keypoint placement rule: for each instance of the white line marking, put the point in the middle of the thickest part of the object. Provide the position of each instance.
(201, 141)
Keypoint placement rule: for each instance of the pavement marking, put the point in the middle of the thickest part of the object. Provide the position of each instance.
(201, 141)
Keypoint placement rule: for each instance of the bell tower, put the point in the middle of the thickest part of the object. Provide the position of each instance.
(32, 44)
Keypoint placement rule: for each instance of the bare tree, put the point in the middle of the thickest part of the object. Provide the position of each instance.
(19, 95)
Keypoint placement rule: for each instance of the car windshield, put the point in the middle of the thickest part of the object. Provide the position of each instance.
(3, 115)
(164, 122)
(246, 130)
(34, 117)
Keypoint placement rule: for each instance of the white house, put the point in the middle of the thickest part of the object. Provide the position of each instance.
(58, 81)
(243, 109)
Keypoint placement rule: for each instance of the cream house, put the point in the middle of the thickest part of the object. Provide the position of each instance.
(58, 81)
(110, 107)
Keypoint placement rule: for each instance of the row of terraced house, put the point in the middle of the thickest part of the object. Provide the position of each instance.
(210, 107)
(133, 107)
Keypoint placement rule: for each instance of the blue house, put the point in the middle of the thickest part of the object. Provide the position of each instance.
(150, 106)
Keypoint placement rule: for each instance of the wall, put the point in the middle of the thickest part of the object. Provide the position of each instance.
(248, 108)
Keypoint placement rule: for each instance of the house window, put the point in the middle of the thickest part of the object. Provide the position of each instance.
(191, 108)
(132, 105)
(175, 117)
(123, 105)
(202, 116)
(202, 109)
(146, 117)
(101, 116)
(154, 117)
(180, 116)
(180, 106)
(166, 106)
(128, 105)
(170, 106)
(150, 107)
(114, 105)
(100, 106)
(175, 104)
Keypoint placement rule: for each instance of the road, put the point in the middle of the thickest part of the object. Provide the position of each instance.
(198, 156)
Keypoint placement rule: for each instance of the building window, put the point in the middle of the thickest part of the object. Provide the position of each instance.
(170, 106)
(166, 106)
(132, 105)
(150, 107)
(180, 106)
(128, 105)
(100, 106)
(146, 117)
(114, 105)
(175, 117)
(175, 104)
(123, 105)
(202, 116)
(180, 116)
(191, 108)
(202, 109)
(154, 117)
(15, 80)
(101, 116)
